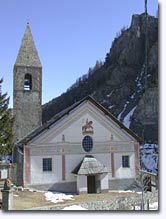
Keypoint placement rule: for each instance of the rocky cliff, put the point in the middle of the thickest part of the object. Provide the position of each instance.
(121, 83)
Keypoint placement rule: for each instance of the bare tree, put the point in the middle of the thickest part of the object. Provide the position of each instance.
(143, 181)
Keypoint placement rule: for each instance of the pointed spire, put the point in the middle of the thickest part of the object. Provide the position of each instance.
(27, 55)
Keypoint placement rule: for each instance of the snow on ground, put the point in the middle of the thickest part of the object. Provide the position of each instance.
(60, 197)
(154, 206)
(57, 197)
(74, 207)
(149, 157)
(134, 190)
(150, 162)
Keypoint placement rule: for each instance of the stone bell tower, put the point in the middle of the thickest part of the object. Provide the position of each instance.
(27, 88)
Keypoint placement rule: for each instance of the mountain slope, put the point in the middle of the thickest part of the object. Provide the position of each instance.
(119, 83)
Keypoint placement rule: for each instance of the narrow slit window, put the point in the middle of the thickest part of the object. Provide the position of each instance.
(28, 82)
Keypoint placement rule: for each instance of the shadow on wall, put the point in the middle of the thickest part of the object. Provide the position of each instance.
(64, 187)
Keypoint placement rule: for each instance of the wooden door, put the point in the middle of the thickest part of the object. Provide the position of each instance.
(91, 183)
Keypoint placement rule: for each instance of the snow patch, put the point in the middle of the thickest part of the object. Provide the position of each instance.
(125, 106)
(74, 207)
(110, 94)
(119, 116)
(149, 157)
(153, 206)
(111, 106)
(57, 197)
(136, 190)
(139, 77)
(126, 120)
(132, 96)
(104, 101)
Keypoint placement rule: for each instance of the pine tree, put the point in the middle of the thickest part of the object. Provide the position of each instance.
(6, 124)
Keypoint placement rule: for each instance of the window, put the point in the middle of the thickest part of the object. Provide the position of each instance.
(125, 161)
(47, 164)
(87, 143)
(28, 82)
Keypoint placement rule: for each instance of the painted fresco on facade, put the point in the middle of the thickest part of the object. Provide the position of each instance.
(87, 128)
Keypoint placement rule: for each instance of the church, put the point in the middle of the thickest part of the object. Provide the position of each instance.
(82, 149)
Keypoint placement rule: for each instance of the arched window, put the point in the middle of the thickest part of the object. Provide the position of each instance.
(28, 82)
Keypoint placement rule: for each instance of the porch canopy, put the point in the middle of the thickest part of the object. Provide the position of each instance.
(89, 166)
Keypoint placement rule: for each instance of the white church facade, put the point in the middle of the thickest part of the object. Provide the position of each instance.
(83, 149)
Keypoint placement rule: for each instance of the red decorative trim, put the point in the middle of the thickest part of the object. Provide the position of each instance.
(63, 168)
(27, 165)
(112, 164)
(136, 152)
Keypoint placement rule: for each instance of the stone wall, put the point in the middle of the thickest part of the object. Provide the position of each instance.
(27, 103)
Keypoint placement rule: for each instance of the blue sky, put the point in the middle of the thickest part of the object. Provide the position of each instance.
(70, 35)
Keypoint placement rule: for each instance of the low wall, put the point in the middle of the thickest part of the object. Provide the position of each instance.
(120, 184)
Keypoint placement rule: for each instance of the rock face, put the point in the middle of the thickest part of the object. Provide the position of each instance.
(145, 118)
(121, 83)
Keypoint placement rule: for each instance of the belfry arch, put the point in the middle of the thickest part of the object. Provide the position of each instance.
(28, 82)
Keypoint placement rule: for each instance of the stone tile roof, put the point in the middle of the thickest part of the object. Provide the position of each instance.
(28, 55)
(90, 166)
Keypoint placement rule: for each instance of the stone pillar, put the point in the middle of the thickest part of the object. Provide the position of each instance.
(7, 200)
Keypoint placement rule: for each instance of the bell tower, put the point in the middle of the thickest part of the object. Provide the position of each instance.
(27, 88)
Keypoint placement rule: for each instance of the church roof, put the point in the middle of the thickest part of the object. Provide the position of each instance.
(28, 55)
(58, 116)
(90, 166)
